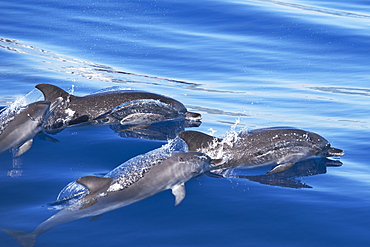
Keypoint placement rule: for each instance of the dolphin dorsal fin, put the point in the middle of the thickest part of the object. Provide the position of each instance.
(197, 140)
(52, 92)
(179, 192)
(95, 184)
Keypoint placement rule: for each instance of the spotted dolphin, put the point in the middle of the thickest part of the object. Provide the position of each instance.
(281, 147)
(137, 179)
(19, 127)
(129, 106)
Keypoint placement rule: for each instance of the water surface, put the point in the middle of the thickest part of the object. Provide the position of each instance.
(255, 63)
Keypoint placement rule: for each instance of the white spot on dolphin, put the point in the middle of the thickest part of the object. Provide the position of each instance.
(70, 112)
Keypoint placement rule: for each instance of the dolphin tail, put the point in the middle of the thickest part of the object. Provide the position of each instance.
(23, 238)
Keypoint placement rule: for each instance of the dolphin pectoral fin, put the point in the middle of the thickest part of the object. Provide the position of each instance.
(23, 238)
(47, 137)
(280, 168)
(24, 147)
(179, 192)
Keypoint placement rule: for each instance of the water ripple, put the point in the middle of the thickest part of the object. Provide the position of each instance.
(319, 10)
(93, 71)
(87, 69)
(343, 90)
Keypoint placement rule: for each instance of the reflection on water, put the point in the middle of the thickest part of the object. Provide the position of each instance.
(164, 130)
(290, 177)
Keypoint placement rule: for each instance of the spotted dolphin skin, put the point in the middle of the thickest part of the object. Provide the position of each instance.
(281, 147)
(131, 107)
(18, 130)
(122, 186)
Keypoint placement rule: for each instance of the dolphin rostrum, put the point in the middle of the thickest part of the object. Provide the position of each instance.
(129, 106)
(19, 127)
(139, 178)
(281, 147)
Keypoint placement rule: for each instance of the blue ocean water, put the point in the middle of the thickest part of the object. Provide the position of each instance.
(243, 64)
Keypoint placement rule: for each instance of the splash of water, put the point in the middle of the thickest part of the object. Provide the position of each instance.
(8, 113)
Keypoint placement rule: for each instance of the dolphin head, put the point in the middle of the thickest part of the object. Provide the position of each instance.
(27, 119)
(321, 147)
(23, 125)
(329, 151)
(190, 163)
(38, 112)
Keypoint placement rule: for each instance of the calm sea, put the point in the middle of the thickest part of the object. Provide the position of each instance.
(241, 64)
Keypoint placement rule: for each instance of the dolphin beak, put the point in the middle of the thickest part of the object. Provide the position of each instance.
(213, 164)
(193, 116)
